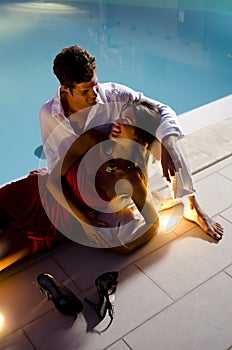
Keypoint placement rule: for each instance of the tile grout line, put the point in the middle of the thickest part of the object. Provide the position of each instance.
(115, 342)
(28, 338)
(153, 282)
(204, 167)
(172, 304)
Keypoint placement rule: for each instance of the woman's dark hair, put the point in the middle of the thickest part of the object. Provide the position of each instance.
(147, 120)
(74, 65)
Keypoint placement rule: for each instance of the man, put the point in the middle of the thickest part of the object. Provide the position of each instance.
(79, 88)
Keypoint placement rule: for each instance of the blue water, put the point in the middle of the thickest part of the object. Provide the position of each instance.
(179, 54)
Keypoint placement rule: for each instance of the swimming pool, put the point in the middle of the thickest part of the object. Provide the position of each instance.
(178, 52)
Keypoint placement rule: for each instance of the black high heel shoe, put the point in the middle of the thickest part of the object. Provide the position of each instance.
(106, 286)
(62, 297)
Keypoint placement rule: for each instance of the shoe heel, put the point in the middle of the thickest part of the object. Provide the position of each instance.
(42, 290)
(62, 297)
(106, 285)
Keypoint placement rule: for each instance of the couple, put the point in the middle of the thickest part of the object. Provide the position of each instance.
(79, 89)
(97, 193)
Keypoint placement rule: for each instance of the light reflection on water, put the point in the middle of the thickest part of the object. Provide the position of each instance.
(179, 55)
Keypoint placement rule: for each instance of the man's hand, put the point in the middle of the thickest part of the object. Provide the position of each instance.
(170, 156)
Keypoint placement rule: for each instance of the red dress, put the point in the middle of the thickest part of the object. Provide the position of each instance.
(21, 210)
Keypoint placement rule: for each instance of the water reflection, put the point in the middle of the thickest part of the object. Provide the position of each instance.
(179, 54)
(40, 7)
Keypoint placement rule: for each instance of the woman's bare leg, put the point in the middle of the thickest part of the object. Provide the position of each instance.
(14, 246)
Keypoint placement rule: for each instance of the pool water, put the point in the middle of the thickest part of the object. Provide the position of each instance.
(178, 52)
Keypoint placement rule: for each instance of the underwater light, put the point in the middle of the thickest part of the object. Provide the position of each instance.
(44, 7)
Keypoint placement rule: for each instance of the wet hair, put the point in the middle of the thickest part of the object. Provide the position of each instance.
(74, 65)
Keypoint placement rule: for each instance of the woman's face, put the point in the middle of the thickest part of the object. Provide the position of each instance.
(124, 127)
(123, 132)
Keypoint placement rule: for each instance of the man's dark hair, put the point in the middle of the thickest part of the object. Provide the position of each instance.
(74, 65)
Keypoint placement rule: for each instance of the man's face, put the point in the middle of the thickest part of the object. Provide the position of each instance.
(84, 94)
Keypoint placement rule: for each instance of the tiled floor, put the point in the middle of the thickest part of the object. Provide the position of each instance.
(174, 293)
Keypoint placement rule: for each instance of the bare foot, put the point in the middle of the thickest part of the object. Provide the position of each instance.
(196, 214)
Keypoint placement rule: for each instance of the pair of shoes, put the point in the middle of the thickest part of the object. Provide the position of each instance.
(68, 304)
(62, 297)
(106, 286)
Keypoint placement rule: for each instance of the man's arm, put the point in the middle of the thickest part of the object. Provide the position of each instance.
(56, 133)
(168, 132)
(170, 157)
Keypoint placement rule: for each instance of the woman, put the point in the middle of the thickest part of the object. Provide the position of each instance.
(104, 181)
(123, 219)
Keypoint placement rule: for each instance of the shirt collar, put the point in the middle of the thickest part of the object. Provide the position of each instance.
(56, 104)
(57, 108)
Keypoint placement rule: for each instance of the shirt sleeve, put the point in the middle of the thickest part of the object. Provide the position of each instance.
(56, 135)
(169, 125)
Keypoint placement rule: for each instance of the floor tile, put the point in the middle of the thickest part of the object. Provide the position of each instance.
(184, 226)
(214, 193)
(137, 299)
(213, 169)
(188, 261)
(218, 136)
(20, 298)
(227, 214)
(120, 345)
(181, 263)
(227, 172)
(56, 331)
(199, 321)
(197, 160)
(33, 259)
(16, 341)
(84, 264)
(229, 270)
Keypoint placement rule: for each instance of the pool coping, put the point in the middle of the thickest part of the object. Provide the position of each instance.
(206, 115)
(208, 133)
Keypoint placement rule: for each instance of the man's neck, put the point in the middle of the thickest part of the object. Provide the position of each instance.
(66, 103)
